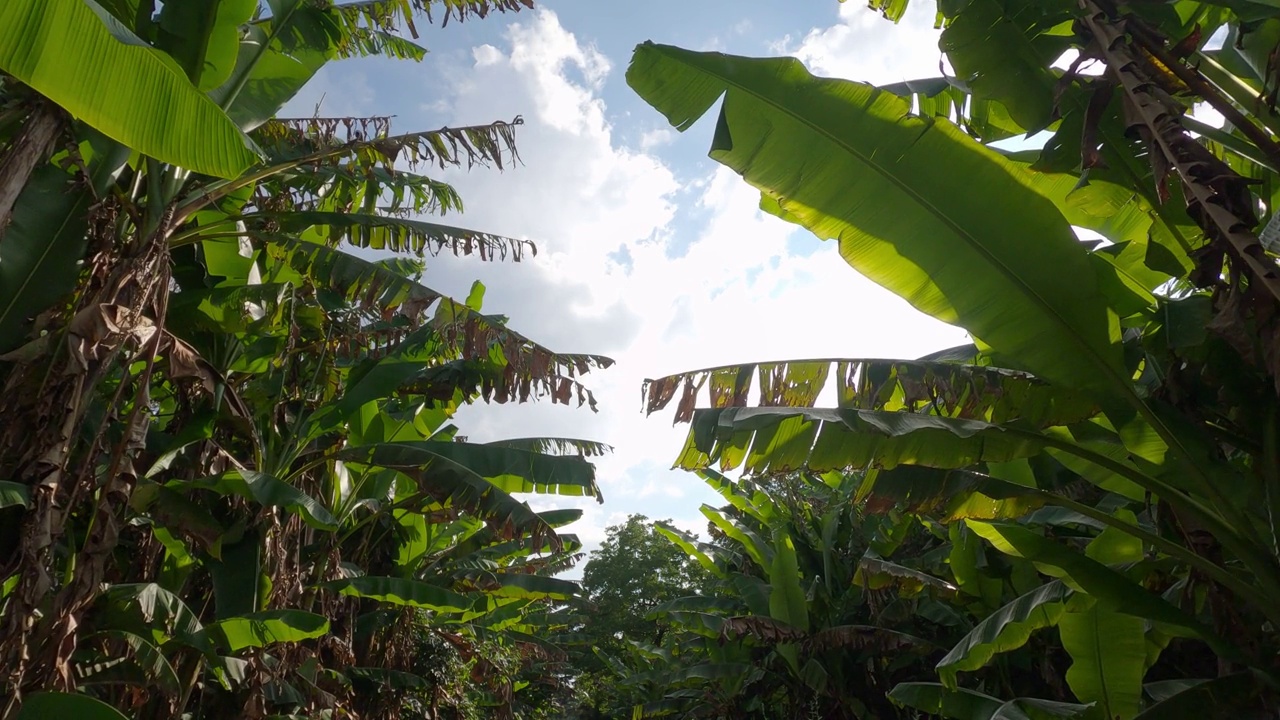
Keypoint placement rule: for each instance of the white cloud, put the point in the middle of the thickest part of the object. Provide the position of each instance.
(655, 138)
(864, 46)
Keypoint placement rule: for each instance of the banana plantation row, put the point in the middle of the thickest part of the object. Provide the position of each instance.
(230, 485)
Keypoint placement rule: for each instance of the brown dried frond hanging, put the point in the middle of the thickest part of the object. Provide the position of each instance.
(390, 17)
(948, 389)
(531, 371)
(374, 231)
(550, 565)
(1234, 261)
(328, 130)
(365, 144)
(463, 9)
(1218, 198)
(764, 629)
(74, 474)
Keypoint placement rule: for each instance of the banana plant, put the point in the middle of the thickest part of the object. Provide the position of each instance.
(238, 492)
(1146, 349)
(797, 622)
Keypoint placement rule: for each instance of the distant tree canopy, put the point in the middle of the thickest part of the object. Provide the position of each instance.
(635, 570)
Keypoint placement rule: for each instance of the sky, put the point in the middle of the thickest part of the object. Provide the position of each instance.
(649, 252)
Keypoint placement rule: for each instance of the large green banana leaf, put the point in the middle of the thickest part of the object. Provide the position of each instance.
(755, 546)
(81, 57)
(265, 628)
(452, 484)
(265, 490)
(917, 205)
(1107, 653)
(1007, 629)
(1108, 650)
(944, 702)
(704, 553)
(148, 610)
(266, 77)
(786, 597)
(12, 493)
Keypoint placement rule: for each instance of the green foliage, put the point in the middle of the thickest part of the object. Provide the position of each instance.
(229, 471)
(1081, 505)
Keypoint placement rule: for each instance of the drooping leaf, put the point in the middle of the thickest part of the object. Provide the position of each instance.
(1007, 629)
(819, 440)
(512, 469)
(265, 628)
(786, 598)
(395, 679)
(531, 587)
(265, 490)
(146, 609)
(1001, 54)
(963, 704)
(455, 486)
(956, 494)
(700, 671)
(875, 573)
(397, 234)
(1038, 709)
(556, 446)
(876, 639)
(702, 552)
(756, 547)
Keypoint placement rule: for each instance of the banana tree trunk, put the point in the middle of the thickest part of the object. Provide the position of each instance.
(28, 151)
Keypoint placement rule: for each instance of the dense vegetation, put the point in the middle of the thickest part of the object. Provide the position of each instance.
(1075, 516)
(231, 487)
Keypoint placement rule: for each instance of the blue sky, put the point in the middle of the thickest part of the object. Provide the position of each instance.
(648, 251)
